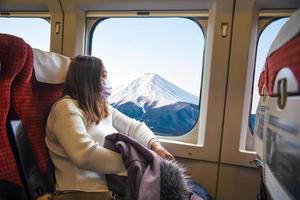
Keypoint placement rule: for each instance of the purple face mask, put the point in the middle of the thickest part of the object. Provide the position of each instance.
(106, 89)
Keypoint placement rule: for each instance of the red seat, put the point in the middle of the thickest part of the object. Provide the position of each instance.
(277, 118)
(13, 53)
(286, 56)
(32, 101)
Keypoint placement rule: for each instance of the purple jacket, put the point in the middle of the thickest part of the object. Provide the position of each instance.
(143, 170)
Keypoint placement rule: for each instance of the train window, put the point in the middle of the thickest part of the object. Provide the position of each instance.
(27, 28)
(155, 68)
(266, 38)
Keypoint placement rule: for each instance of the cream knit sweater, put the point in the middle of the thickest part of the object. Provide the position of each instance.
(75, 145)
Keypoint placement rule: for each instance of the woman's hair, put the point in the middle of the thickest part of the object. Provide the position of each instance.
(83, 83)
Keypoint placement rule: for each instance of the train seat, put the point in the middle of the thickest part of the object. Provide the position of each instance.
(13, 53)
(277, 117)
(283, 59)
(32, 100)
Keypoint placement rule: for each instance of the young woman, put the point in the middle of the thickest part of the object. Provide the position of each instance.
(76, 127)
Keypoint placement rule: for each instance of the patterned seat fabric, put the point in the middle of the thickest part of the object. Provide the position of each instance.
(13, 52)
(32, 101)
(286, 56)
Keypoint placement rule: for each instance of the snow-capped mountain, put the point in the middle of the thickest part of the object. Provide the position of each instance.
(151, 90)
(164, 107)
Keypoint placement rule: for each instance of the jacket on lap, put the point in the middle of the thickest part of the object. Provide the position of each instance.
(148, 176)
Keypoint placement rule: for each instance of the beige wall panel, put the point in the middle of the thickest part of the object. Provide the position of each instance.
(238, 183)
(23, 5)
(74, 27)
(56, 25)
(238, 91)
(141, 4)
(202, 172)
(278, 3)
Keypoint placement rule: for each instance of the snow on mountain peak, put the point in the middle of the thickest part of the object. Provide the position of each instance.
(152, 90)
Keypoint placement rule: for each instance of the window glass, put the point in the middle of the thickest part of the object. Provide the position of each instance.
(34, 31)
(155, 68)
(265, 40)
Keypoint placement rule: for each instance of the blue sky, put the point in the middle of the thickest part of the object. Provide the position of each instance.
(35, 31)
(170, 47)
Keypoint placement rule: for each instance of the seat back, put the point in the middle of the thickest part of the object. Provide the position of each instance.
(282, 135)
(277, 133)
(34, 184)
(13, 52)
(285, 57)
(32, 101)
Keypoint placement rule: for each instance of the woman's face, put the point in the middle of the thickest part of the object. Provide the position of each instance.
(106, 87)
(104, 74)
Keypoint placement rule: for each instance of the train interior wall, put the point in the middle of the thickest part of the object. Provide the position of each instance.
(227, 173)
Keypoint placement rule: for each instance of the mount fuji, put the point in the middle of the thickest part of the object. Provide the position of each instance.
(164, 107)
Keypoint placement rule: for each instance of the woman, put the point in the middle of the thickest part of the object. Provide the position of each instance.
(76, 127)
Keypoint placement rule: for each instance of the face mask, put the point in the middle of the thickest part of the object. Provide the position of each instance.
(106, 89)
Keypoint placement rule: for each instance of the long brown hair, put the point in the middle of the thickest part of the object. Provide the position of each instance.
(83, 83)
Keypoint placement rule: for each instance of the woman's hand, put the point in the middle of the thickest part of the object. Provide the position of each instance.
(161, 151)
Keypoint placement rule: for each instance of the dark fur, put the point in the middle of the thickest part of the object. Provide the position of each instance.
(174, 181)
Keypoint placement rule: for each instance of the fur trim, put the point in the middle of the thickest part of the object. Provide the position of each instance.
(174, 181)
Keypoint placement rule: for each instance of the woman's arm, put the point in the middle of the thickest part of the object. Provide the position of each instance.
(132, 128)
(140, 131)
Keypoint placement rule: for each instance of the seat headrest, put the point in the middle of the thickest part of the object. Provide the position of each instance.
(50, 67)
(289, 30)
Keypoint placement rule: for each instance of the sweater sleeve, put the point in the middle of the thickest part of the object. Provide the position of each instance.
(82, 150)
(133, 128)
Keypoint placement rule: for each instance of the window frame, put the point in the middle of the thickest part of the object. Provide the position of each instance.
(95, 17)
(55, 21)
(189, 144)
(264, 22)
(42, 15)
(266, 18)
(239, 98)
